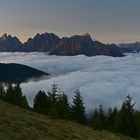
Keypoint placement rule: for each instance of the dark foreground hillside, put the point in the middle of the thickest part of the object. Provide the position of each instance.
(17, 73)
(19, 124)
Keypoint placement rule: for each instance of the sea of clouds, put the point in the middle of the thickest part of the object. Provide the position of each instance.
(102, 80)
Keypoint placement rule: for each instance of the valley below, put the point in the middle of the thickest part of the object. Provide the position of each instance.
(102, 80)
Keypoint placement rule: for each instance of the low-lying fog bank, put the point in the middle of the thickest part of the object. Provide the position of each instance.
(101, 79)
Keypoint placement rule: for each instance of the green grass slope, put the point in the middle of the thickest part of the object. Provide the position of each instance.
(19, 124)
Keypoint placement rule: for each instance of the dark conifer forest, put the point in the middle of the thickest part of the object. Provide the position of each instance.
(55, 104)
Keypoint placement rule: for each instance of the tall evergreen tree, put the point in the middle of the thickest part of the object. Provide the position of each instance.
(111, 118)
(102, 117)
(98, 119)
(78, 109)
(125, 121)
(63, 107)
(40, 103)
(2, 91)
(53, 94)
(95, 120)
(55, 103)
(15, 96)
(17, 93)
(10, 95)
(137, 120)
(20, 99)
(24, 102)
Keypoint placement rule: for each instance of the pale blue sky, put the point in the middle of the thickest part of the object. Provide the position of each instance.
(106, 20)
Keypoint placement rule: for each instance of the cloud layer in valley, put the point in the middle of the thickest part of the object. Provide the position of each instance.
(101, 79)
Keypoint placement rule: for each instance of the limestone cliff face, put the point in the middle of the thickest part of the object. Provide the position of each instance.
(9, 43)
(41, 43)
(84, 45)
(49, 42)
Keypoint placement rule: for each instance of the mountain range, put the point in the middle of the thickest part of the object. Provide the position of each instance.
(130, 47)
(54, 45)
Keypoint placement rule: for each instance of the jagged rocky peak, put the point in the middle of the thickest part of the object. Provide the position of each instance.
(84, 45)
(4, 36)
(86, 35)
(41, 42)
(45, 34)
(9, 43)
(82, 37)
(40, 36)
(49, 42)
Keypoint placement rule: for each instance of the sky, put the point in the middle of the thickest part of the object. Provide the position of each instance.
(109, 21)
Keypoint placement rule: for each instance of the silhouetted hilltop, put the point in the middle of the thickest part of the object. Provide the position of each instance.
(17, 73)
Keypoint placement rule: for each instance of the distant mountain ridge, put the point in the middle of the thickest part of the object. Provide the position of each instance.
(130, 47)
(41, 43)
(9, 43)
(83, 44)
(49, 42)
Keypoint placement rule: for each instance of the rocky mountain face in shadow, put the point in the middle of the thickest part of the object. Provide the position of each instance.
(41, 43)
(49, 42)
(130, 47)
(84, 45)
(9, 43)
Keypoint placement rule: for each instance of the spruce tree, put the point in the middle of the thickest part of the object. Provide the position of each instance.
(2, 91)
(53, 95)
(63, 107)
(137, 120)
(78, 109)
(98, 120)
(95, 120)
(40, 103)
(20, 99)
(103, 117)
(24, 102)
(10, 95)
(14, 95)
(111, 118)
(17, 94)
(126, 121)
